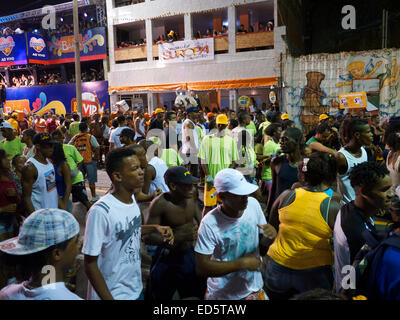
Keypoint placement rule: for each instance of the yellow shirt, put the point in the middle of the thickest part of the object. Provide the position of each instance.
(303, 240)
(14, 123)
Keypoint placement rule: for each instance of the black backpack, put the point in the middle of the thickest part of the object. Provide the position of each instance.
(366, 282)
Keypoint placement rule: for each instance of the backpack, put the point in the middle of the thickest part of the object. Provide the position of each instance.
(366, 284)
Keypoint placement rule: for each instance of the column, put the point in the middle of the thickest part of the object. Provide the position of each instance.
(151, 102)
(233, 100)
(106, 69)
(232, 29)
(112, 32)
(113, 101)
(188, 26)
(149, 39)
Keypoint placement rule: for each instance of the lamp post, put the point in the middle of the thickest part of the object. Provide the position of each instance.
(77, 60)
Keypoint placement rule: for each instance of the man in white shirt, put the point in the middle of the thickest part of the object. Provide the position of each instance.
(114, 135)
(113, 233)
(230, 239)
(190, 141)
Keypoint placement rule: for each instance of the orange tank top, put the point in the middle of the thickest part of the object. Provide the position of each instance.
(82, 144)
(303, 240)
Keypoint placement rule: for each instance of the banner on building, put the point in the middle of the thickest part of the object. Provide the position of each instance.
(353, 100)
(37, 49)
(92, 43)
(61, 48)
(186, 51)
(60, 98)
(12, 50)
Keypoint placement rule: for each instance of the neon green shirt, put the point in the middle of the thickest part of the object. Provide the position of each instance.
(13, 147)
(171, 158)
(219, 153)
(252, 128)
(269, 148)
(74, 128)
(73, 158)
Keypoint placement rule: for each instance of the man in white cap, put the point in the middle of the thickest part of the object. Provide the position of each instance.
(45, 249)
(230, 239)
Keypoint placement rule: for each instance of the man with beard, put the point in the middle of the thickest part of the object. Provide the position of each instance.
(173, 266)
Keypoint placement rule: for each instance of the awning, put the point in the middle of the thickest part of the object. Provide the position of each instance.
(202, 85)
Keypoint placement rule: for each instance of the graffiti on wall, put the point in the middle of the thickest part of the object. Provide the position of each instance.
(314, 82)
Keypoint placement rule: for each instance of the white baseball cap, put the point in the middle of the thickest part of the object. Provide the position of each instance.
(233, 181)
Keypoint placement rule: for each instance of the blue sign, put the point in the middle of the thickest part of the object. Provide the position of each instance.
(37, 50)
(92, 42)
(13, 50)
(60, 98)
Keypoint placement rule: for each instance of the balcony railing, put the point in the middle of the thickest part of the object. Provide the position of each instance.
(244, 42)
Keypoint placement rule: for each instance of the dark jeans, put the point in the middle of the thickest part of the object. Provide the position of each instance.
(282, 283)
(172, 272)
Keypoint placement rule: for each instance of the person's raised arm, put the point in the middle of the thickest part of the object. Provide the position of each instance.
(29, 175)
(66, 172)
(149, 175)
(317, 146)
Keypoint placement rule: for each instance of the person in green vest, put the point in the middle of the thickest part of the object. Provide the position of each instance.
(74, 126)
(12, 145)
(217, 151)
(75, 162)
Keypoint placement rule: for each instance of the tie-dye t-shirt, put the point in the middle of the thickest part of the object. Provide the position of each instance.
(228, 239)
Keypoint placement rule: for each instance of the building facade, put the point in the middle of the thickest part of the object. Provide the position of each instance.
(242, 64)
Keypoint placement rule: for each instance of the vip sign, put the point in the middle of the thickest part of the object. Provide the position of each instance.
(90, 104)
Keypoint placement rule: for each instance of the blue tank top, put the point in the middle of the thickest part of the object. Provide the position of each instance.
(286, 177)
(59, 181)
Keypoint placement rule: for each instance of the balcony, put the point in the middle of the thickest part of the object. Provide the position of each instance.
(244, 42)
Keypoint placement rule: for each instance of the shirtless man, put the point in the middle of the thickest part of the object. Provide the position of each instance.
(173, 266)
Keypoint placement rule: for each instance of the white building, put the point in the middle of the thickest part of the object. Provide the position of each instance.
(243, 64)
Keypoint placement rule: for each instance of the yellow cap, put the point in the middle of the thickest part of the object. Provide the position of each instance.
(222, 119)
(323, 117)
(171, 33)
(285, 116)
(158, 110)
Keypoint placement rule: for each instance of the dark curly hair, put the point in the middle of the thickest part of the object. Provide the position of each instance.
(392, 135)
(367, 174)
(271, 129)
(321, 166)
(297, 135)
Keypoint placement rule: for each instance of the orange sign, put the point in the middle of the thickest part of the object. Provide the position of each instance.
(353, 100)
(17, 105)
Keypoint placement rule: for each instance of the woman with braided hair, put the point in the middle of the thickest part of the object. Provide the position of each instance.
(301, 257)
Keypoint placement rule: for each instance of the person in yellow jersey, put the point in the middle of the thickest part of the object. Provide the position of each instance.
(301, 257)
(14, 122)
(217, 151)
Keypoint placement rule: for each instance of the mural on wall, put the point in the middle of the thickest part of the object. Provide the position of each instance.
(314, 82)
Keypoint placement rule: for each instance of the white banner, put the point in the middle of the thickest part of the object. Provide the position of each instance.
(185, 51)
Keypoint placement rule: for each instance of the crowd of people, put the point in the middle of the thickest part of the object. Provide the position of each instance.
(175, 36)
(242, 205)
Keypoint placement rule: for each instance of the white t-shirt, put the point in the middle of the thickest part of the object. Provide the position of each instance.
(159, 182)
(228, 239)
(55, 291)
(113, 232)
(114, 136)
